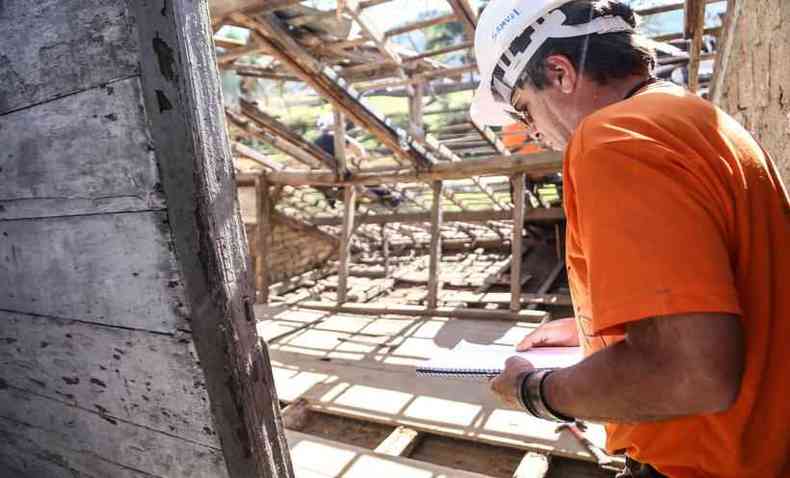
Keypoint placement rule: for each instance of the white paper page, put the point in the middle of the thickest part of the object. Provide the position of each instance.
(471, 357)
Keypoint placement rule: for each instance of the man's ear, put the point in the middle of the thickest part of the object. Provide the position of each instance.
(561, 73)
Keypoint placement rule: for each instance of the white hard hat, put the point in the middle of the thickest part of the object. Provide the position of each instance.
(508, 34)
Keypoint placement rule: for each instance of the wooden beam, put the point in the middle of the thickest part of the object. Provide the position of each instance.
(503, 298)
(420, 25)
(419, 311)
(724, 51)
(436, 245)
(466, 14)
(325, 81)
(229, 43)
(385, 249)
(532, 465)
(666, 8)
(422, 77)
(289, 142)
(439, 51)
(349, 203)
(537, 164)
(693, 27)
(255, 156)
(400, 442)
(516, 242)
(263, 233)
(232, 55)
(259, 71)
(340, 142)
(678, 35)
(416, 127)
(533, 215)
(491, 138)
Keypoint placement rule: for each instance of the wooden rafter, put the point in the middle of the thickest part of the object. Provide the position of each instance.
(295, 142)
(537, 164)
(325, 81)
(466, 15)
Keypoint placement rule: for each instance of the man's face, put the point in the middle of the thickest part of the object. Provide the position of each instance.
(546, 115)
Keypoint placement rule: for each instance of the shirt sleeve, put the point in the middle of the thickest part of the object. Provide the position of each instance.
(654, 237)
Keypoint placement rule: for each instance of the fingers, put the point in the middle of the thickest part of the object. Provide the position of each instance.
(530, 340)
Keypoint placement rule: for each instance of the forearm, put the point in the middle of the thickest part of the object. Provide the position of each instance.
(646, 380)
(613, 385)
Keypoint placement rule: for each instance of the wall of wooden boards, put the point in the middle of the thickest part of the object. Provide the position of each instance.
(111, 302)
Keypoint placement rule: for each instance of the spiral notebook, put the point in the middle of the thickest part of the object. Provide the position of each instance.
(475, 362)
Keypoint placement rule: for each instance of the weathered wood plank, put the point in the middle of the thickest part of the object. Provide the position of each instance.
(152, 380)
(90, 444)
(533, 215)
(263, 240)
(114, 269)
(349, 208)
(81, 154)
(183, 98)
(42, 58)
(436, 245)
(400, 442)
(533, 465)
(339, 460)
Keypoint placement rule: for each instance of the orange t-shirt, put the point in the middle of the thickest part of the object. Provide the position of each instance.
(672, 208)
(514, 135)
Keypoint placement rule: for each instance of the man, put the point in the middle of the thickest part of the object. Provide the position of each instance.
(676, 245)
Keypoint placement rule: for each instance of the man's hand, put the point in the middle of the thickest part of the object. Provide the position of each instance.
(506, 385)
(557, 333)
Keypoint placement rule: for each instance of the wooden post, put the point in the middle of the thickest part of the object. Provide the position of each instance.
(695, 26)
(385, 249)
(516, 243)
(436, 245)
(415, 112)
(349, 200)
(340, 142)
(263, 235)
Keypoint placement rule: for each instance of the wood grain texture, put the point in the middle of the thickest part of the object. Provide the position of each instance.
(183, 100)
(53, 48)
(755, 89)
(114, 269)
(68, 436)
(151, 380)
(81, 154)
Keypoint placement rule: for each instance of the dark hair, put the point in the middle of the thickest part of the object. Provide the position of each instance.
(604, 56)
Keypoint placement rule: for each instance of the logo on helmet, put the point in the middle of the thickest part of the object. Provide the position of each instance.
(501, 25)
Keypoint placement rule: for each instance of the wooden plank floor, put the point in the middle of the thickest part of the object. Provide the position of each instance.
(363, 367)
(339, 460)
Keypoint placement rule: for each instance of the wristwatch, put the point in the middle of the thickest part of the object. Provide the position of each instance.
(531, 397)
